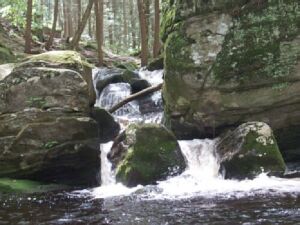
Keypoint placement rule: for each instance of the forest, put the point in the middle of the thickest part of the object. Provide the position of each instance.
(158, 112)
(118, 27)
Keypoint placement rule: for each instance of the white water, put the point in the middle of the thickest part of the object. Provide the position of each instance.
(201, 177)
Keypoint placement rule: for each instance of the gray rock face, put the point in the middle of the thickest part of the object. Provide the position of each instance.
(46, 132)
(250, 150)
(230, 62)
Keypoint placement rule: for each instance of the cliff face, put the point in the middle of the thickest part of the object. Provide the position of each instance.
(229, 62)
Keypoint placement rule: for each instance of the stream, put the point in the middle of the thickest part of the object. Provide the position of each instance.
(199, 195)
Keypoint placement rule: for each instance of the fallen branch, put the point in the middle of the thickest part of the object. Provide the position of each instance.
(135, 96)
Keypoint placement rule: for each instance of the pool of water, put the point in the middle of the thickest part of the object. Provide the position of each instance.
(136, 209)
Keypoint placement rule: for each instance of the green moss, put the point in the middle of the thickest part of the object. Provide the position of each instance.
(5, 55)
(126, 65)
(152, 155)
(8, 185)
(258, 154)
(262, 44)
(60, 57)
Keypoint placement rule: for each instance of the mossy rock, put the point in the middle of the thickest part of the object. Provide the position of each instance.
(250, 150)
(8, 185)
(6, 55)
(156, 64)
(126, 65)
(152, 154)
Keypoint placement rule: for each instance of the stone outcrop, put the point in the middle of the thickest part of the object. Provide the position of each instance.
(145, 154)
(230, 62)
(46, 130)
(248, 151)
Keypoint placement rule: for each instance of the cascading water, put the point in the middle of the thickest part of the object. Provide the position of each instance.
(201, 178)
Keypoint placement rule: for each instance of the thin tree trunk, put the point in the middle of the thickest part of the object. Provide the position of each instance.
(135, 96)
(28, 27)
(143, 28)
(70, 19)
(78, 13)
(50, 41)
(156, 44)
(86, 15)
(99, 29)
(66, 27)
(125, 28)
(132, 21)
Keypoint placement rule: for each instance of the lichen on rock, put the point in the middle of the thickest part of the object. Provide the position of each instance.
(145, 154)
(250, 150)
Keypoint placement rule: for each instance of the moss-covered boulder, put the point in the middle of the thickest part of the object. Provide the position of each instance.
(63, 59)
(248, 151)
(145, 154)
(46, 130)
(229, 62)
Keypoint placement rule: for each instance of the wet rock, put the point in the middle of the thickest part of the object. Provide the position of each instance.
(144, 154)
(107, 76)
(248, 151)
(108, 128)
(138, 85)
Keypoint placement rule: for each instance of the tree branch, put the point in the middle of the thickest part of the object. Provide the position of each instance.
(135, 96)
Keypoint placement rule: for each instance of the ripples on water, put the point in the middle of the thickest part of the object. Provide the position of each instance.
(66, 208)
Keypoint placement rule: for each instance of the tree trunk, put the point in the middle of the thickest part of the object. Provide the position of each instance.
(50, 41)
(125, 28)
(143, 28)
(135, 96)
(156, 44)
(28, 27)
(70, 18)
(86, 15)
(78, 13)
(99, 29)
(66, 27)
(133, 24)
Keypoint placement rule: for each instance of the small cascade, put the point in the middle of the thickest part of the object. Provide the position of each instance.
(107, 175)
(114, 93)
(201, 177)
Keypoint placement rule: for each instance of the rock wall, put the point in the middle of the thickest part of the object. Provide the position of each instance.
(229, 62)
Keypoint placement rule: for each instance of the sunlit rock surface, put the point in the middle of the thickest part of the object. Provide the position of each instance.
(229, 62)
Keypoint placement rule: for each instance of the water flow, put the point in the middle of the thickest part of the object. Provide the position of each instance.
(201, 177)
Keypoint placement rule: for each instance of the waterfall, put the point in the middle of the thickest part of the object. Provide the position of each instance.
(201, 177)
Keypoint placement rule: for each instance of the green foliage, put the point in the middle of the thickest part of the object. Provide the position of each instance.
(15, 11)
(38, 102)
(50, 144)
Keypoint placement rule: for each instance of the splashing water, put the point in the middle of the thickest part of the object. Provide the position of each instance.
(201, 177)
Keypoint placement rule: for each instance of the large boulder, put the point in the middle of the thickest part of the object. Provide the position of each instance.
(248, 151)
(46, 130)
(229, 62)
(144, 154)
